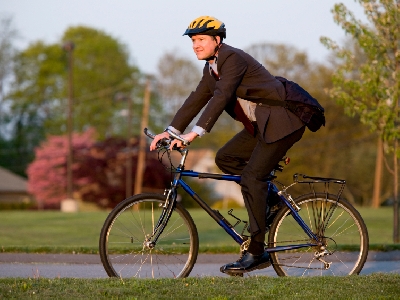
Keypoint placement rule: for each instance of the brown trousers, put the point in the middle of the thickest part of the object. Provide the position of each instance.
(249, 156)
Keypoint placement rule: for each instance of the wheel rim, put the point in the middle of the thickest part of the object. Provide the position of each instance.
(130, 253)
(343, 251)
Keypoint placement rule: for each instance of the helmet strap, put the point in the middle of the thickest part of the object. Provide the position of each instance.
(212, 57)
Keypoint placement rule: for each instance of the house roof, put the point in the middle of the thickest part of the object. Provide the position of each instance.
(10, 182)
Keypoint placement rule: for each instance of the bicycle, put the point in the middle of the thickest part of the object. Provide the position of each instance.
(153, 235)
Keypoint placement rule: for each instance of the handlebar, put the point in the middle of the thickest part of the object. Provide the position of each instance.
(147, 132)
(165, 143)
(178, 137)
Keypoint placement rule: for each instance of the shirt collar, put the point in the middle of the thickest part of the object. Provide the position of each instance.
(213, 65)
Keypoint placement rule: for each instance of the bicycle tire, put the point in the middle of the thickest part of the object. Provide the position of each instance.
(344, 234)
(122, 243)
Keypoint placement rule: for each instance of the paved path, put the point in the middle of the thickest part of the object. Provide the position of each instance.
(89, 266)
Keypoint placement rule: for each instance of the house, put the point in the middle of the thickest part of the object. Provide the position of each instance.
(13, 188)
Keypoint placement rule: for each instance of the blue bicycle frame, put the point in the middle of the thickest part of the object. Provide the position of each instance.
(272, 189)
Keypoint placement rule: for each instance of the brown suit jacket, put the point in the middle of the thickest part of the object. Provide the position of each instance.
(244, 77)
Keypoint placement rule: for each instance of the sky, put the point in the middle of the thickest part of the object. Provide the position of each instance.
(149, 28)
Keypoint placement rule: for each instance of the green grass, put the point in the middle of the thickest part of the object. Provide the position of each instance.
(55, 232)
(376, 286)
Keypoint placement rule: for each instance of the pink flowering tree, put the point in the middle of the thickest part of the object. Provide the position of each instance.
(47, 174)
(101, 177)
(99, 170)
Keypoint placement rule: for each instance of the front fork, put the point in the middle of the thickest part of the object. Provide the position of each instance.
(168, 207)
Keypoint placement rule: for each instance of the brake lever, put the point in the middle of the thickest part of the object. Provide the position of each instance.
(163, 143)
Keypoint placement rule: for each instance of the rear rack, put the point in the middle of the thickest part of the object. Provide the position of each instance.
(316, 179)
(325, 183)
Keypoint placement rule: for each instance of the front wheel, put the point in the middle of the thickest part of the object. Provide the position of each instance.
(126, 247)
(337, 224)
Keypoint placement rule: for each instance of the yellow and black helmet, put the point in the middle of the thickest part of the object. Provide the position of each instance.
(206, 25)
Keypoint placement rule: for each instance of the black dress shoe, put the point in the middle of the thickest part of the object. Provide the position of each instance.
(247, 263)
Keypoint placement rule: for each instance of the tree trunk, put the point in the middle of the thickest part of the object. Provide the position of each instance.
(378, 175)
(395, 196)
(142, 141)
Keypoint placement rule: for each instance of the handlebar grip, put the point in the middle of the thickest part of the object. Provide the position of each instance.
(166, 142)
(146, 132)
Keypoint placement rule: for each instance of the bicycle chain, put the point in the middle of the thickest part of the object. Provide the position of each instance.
(290, 266)
(298, 267)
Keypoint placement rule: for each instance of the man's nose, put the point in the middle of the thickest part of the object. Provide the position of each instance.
(195, 45)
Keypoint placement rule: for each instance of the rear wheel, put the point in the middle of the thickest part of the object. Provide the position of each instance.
(337, 223)
(126, 247)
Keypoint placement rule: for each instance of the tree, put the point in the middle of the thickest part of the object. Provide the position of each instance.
(282, 60)
(7, 36)
(127, 108)
(99, 170)
(177, 78)
(11, 155)
(47, 179)
(38, 92)
(100, 69)
(372, 91)
(102, 172)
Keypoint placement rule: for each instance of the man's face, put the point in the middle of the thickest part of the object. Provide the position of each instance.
(203, 45)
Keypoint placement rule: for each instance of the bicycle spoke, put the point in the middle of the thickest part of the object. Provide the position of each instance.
(309, 218)
(336, 224)
(130, 228)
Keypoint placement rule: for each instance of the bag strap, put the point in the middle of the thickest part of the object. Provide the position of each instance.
(273, 102)
(290, 105)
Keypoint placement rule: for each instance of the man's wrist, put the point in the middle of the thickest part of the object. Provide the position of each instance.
(173, 129)
(198, 130)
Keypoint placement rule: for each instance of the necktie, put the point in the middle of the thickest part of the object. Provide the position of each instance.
(238, 110)
(241, 116)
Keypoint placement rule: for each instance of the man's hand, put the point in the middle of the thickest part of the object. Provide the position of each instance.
(188, 137)
(153, 145)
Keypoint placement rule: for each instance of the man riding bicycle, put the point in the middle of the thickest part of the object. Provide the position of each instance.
(235, 82)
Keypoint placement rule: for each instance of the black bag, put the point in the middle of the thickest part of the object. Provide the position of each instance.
(303, 105)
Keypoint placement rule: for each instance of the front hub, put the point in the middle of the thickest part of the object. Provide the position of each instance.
(148, 245)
